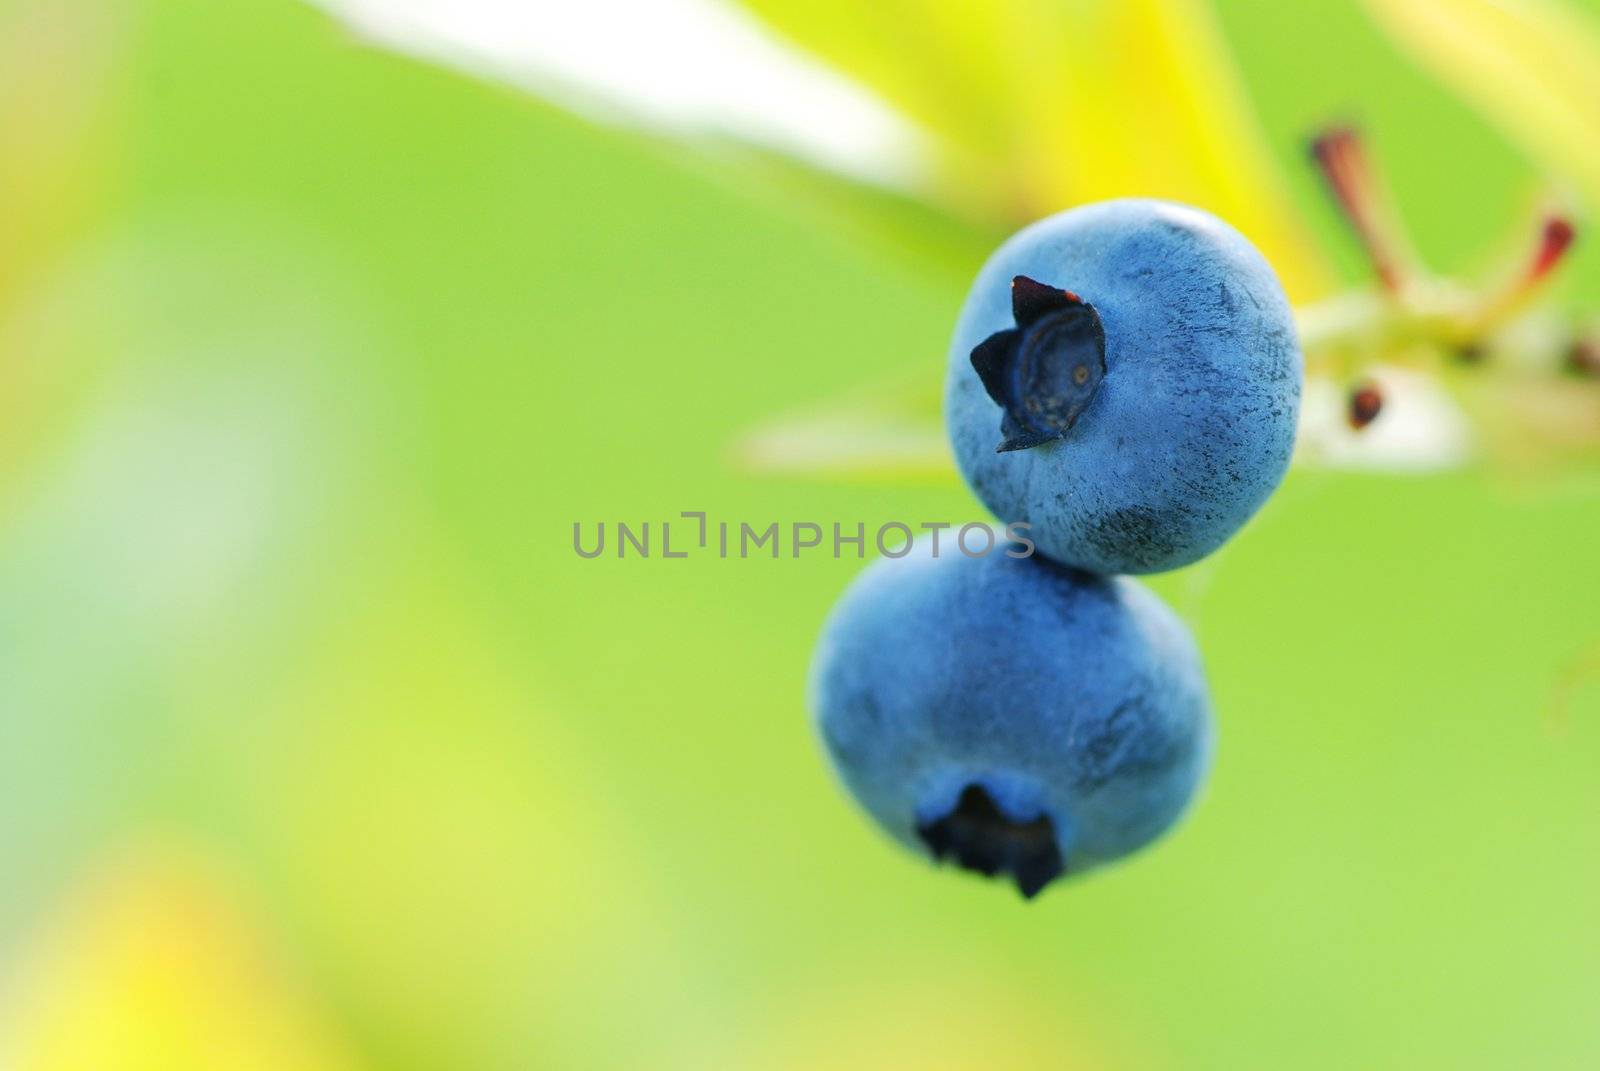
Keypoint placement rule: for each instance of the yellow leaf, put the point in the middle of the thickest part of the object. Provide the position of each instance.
(454, 854)
(1045, 105)
(917, 1014)
(58, 76)
(155, 964)
(1532, 67)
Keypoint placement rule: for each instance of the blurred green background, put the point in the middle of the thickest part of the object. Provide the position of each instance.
(319, 746)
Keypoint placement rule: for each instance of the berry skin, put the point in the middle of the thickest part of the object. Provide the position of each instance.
(1010, 714)
(1126, 377)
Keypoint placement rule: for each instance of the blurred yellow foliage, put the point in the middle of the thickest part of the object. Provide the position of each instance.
(1532, 67)
(1039, 106)
(156, 963)
(58, 66)
(935, 1015)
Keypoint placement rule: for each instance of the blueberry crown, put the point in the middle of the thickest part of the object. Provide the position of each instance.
(1044, 371)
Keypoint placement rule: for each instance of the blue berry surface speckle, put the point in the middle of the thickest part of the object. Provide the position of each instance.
(1192, 424)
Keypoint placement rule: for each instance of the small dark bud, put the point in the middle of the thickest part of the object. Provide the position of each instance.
(1555, 238)
(1583, 359)
(1366, 402)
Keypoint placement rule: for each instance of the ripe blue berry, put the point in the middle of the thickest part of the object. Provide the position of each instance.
(1126, 377)
(1013, 715)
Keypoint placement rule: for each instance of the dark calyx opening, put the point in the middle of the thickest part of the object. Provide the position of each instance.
(983, 839)
(1044, 371)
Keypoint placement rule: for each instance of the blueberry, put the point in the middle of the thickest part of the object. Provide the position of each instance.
(1011, 714)
(1126, 377)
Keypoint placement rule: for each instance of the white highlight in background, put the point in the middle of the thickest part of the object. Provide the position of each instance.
(1421, 429)
(696, 66)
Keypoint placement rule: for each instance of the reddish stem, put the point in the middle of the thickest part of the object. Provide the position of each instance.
(1342, 158)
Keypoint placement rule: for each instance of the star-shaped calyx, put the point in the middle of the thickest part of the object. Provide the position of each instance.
(982, 838)
(1045, 371)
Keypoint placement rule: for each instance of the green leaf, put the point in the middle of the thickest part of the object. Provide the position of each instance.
(889, 432)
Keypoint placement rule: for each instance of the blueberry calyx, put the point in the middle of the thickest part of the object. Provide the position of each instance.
(1044, 371)
(983, 839)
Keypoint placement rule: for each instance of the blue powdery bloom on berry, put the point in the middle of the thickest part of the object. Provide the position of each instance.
(1011, 715)
(1126, 377)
